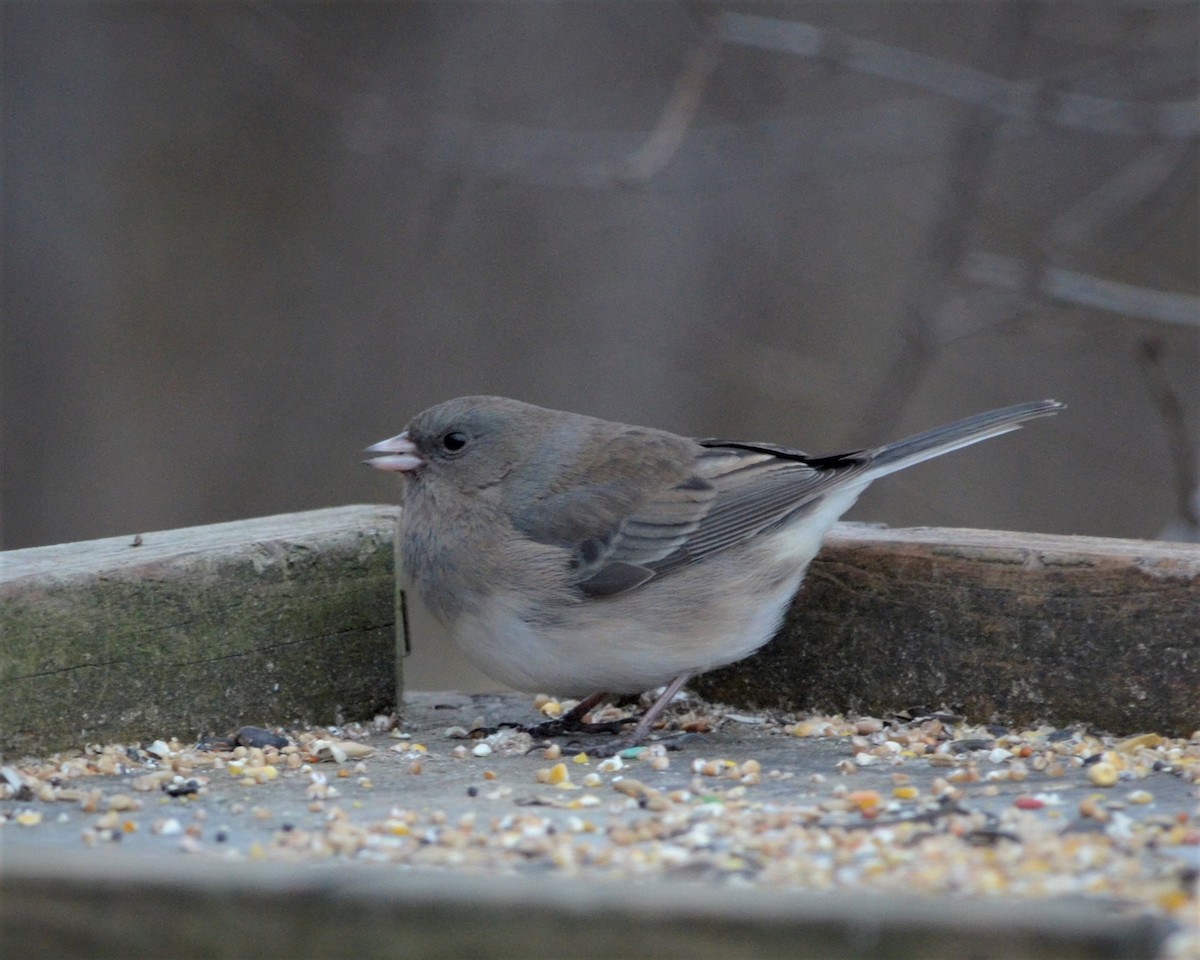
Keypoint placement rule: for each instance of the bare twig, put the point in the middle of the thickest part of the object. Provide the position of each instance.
(1118, 196)
(1008, 98)
(1170, 411)
(968, 168)
(677, 114)
(1011, 273)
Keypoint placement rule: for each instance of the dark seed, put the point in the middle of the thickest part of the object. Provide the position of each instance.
(181, 789)
(260, 737)
(989, 838)
(963, 746)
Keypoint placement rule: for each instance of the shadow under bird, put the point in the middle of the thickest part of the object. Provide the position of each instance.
(569, 554)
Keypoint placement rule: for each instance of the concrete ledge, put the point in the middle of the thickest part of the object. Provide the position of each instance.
(1009, 627)
(112, 905)
(198, 630)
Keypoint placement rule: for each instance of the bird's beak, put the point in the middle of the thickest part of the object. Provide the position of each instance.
(401, 454)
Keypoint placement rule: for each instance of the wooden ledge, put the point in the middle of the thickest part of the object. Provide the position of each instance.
(1013, 628)
(291, 618)
(74, 906)
(198, 630)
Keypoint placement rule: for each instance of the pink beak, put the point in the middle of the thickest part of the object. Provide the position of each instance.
(402, 454)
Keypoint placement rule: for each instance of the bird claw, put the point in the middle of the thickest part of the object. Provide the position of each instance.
(565, 725)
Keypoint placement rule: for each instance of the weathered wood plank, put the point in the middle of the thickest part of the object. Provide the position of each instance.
(198, 630)
(291, 618)
(1011, 627)
(65, 906)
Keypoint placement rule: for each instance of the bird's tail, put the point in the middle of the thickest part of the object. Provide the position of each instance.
(953, 436)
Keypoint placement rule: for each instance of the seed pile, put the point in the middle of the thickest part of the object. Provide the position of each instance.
(911, 803)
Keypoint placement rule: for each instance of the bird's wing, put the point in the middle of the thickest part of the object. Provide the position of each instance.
(758, 487)
(732, 492)
(718, 493)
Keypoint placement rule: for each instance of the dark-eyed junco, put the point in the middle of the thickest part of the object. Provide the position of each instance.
(574, 555)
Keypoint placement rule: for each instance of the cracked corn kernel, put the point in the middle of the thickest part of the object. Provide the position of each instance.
(1131, 744)
(554, 775)
(863, 799)
(1103, 774)
(1093, 808)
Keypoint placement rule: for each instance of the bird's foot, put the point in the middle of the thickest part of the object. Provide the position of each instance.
(565, 726)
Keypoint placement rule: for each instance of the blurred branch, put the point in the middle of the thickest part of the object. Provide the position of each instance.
(967, 171)
(877, 136)
(1115, 198)
(681, 107)
(1183, 458)
(1008, 98)
(1012, 273)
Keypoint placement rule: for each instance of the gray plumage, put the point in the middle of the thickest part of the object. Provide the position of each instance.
(569, 554)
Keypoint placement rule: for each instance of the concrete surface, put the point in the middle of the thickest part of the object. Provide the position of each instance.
(1088, 871)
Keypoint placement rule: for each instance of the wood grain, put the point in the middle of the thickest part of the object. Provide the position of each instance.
(65, 906)
(199, 630)
(1012, 628)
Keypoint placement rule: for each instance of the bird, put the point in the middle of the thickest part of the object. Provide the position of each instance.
(589, 558)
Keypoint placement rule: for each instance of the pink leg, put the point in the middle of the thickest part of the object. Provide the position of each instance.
(643, 727)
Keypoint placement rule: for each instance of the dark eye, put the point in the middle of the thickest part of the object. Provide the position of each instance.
(454, 441)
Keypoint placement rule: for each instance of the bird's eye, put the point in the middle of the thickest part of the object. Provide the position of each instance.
(454, 441)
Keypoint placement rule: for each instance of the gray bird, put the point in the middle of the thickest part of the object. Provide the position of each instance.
(575, 555)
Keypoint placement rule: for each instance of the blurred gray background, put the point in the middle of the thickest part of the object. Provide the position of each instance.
(243, 240)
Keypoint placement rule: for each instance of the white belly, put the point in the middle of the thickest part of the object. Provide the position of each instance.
(691, 620)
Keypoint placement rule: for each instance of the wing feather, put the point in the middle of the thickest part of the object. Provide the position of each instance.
(711, 495)
(736, 492)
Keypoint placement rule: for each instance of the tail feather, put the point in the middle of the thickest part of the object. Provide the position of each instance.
(954, 436)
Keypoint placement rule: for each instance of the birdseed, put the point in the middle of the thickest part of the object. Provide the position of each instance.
(933, 805)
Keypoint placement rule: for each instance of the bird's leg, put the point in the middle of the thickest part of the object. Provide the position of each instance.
(656, 709)
(573, 722)
(647, 721)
